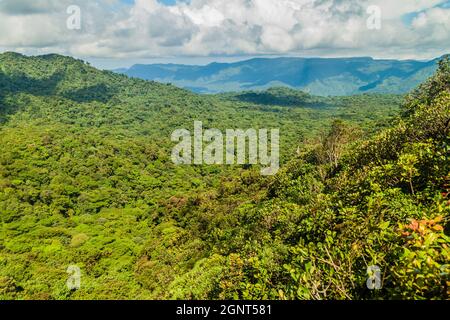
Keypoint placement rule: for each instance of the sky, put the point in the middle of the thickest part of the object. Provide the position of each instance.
(119, 33)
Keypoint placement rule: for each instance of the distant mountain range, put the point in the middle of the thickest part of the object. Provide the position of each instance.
(318, 76)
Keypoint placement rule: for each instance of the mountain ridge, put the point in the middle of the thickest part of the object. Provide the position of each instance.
(317, 76)
(86, 177)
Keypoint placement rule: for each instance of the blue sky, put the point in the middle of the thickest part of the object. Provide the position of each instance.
(409, 17)
(116, 33)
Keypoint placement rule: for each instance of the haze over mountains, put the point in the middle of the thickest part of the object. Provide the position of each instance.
(319, 76)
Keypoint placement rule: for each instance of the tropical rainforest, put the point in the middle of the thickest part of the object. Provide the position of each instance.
(86, 179)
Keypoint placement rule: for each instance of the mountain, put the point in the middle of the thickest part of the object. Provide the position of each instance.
(87, 183)
(318, 76)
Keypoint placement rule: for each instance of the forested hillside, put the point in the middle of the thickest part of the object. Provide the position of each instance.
(86, 179)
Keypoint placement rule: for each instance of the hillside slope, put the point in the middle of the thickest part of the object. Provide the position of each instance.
(86, 179)
(345, 219)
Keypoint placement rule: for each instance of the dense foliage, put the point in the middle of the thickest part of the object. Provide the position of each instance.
(86, 179)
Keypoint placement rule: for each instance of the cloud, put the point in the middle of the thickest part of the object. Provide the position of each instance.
(148, 28)
(26, 7)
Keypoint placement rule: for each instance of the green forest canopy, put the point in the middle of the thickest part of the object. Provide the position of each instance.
(86, 179)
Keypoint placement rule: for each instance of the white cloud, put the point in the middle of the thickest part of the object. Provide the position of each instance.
(233, 27)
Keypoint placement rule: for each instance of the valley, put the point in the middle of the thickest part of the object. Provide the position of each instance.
(86, 179)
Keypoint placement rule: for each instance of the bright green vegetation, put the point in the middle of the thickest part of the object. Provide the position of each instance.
(86, 179)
